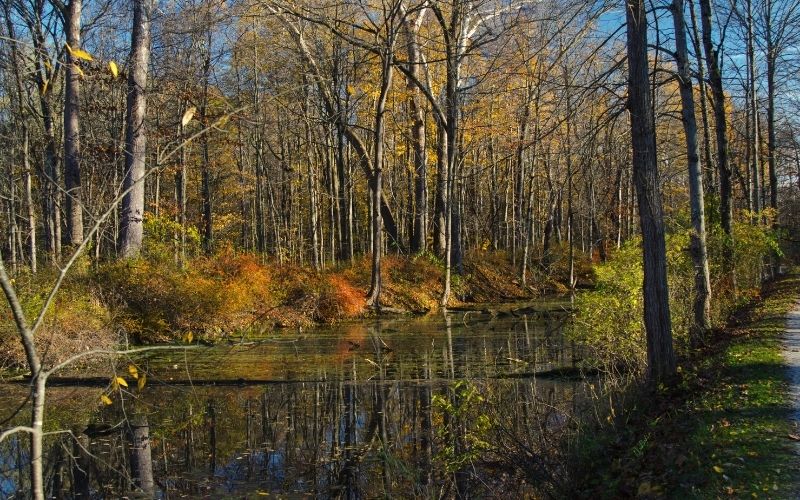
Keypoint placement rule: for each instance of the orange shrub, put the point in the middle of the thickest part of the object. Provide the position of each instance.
(210, 296)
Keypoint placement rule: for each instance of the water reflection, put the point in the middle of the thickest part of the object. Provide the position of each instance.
(450, 407)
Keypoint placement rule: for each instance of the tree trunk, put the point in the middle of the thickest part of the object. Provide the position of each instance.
(710, 185)
(131, 221)
(345, 214)
(374, 295)
(755, 139)
(439, 217)
(26, 148)
(702, 299)
(772, 60)
(72, 131)
(180, 197)
(417, 111)
(207, 195)
(721, 122)
(660, 353)
(29, 199)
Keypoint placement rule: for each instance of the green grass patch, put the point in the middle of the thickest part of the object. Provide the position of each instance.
(724, 431)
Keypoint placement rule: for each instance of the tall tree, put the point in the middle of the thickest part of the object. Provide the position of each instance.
(24, 130)
(131, 220)
(702, 282)
(411, 27)
(72, 126)
(660, 352)
(780, 33)
(721, 123)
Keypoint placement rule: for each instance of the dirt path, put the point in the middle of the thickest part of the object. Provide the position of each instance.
(791, 352)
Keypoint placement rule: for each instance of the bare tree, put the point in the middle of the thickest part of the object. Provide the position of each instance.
(721, 123)
(131, 222)
(72, 126)
(660, 353)
(702, 300)
(780, 32)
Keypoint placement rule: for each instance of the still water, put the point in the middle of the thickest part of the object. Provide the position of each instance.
(463, 404)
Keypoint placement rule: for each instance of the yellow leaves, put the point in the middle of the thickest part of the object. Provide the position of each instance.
(718, 469)
(45, 86)
(140, 377)
(112, 66)
(187, 117)
(78, 69)
(106, 400)
(79, 53)
(188, 337)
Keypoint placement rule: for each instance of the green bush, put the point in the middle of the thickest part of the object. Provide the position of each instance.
(608, 319)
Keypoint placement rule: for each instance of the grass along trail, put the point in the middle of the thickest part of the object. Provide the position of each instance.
(729, 429)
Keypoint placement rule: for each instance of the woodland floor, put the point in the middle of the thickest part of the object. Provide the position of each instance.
(729, 429)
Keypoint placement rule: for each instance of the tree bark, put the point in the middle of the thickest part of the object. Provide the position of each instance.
(755, 138)
(26, 148)
(131, 220)
(72, 131)
(660, 353)
(141, 455)
(439, 217)
(721, 122)
(374, 295)
(701, 84)
(417, 111)
(772, 61)
(702, 282)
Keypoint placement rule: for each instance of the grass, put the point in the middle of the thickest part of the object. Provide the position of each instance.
(723, 431)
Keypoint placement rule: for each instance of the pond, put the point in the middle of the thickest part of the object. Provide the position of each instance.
(470, 401)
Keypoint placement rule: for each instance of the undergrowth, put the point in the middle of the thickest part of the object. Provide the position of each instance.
(723, 431)
(608, 319)
(153, 299)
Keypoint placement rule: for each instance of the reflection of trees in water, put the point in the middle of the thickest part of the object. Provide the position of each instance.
(347, 435)
(348, 439)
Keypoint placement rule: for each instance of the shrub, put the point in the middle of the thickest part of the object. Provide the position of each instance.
(77, 321)
(162, 234)
(210, 296)
(608, 319)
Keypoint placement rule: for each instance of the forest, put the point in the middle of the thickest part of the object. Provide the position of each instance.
(604, 193)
